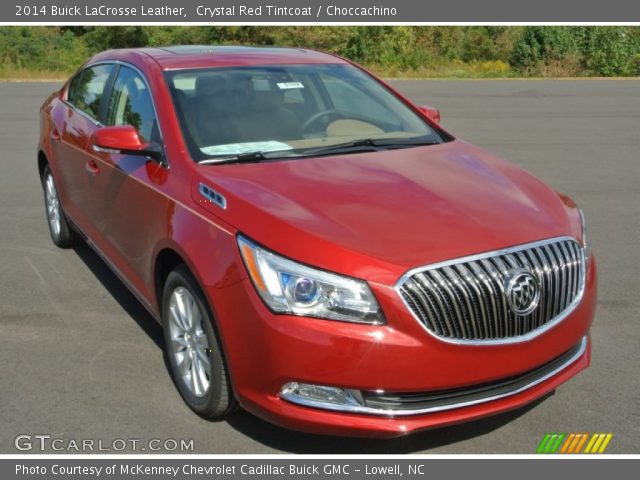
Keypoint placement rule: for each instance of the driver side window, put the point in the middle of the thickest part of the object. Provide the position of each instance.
(130, 104)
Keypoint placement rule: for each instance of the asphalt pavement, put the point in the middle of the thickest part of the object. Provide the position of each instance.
(81, 359)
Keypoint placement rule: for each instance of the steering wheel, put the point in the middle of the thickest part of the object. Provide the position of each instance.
(317, 116)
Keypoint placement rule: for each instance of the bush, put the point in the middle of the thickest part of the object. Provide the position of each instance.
(491, 68)
(41, 48)
(104, 38)
(428, 51)
(478, 45)
(611, 51)
(635, 65)
(539, 46)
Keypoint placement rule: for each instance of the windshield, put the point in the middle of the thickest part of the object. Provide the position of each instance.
(269, 109)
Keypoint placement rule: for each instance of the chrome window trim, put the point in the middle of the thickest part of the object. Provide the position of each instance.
(504, 251)
(403, 413)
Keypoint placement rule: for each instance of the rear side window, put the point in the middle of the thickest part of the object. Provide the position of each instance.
(130, 104)
(87, 88)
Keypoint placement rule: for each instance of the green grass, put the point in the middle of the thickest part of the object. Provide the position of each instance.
(10, 73)
(455, 69)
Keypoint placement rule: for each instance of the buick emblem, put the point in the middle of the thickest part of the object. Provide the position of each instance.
(522, 290)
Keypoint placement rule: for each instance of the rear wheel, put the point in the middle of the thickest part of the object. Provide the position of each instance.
(193, 349)
(62, 234)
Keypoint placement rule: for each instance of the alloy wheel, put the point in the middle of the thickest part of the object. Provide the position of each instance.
(53, 205)
(189, 342)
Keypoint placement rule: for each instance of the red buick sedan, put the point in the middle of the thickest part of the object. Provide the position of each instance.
(317, 248)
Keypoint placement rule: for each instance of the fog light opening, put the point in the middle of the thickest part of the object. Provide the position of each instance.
(321, 396)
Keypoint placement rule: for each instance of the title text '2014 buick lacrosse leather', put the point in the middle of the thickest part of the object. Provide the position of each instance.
(317, 248)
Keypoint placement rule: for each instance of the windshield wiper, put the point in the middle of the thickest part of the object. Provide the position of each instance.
(365, 145)
(362, 145)
(404, 142)
(256, 156)
(355, 146)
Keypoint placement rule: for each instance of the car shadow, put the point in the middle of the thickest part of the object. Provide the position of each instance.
(119, 291)
(288, 440)
(304, 443)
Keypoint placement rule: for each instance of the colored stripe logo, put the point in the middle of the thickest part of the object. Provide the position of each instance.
(574, 443)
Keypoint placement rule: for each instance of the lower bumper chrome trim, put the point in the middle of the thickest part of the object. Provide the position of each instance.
(392, 405)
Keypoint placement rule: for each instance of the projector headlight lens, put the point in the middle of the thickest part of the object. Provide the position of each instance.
(289, 287)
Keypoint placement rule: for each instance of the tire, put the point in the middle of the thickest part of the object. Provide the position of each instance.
(189, 343)
(62, 233)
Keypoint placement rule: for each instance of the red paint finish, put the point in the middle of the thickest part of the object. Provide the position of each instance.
(431, 113)
(119, 138)
(372, 216)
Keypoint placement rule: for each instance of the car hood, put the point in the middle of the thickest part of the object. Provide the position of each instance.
(376, 215)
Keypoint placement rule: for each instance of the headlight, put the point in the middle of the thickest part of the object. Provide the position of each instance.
(289, 287)
(586, 244)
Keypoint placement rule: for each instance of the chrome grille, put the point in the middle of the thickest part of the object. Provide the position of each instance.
(465, 300)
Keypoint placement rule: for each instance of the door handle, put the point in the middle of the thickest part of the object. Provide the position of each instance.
(92, 167)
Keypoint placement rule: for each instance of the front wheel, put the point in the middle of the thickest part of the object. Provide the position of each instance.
(62, 234)
(194, 353)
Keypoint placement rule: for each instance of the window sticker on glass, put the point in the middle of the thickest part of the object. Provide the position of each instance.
(289, 85)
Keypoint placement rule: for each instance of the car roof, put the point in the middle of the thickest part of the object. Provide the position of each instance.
(201, 56)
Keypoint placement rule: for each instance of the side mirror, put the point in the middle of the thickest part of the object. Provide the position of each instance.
(431, 113)
(125, 140)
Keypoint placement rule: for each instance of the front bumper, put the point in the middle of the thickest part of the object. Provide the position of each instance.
(266, 351)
